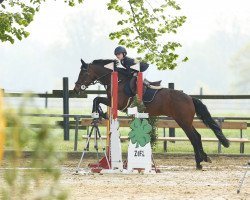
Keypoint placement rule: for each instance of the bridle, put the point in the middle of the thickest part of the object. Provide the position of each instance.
(93, 82)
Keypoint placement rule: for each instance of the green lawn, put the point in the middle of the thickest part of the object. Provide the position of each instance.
(183, 147)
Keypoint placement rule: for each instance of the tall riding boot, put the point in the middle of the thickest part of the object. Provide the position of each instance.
(132, 85)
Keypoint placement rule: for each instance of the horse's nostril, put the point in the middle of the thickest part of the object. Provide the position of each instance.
(76, 91)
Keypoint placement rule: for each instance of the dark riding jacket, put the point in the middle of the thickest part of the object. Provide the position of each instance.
(127, 63)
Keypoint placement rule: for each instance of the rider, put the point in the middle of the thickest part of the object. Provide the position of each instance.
(121, 54)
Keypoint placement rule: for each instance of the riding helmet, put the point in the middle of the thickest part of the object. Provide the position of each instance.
(120, 49)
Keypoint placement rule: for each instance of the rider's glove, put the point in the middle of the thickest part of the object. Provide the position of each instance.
(117, 63)
(135, 74)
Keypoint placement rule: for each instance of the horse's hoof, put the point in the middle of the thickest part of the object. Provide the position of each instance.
(209, 160)
(199, 167)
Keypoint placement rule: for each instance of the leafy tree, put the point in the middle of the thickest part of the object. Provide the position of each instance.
(144, 26)
(240, 65)
(15, 15)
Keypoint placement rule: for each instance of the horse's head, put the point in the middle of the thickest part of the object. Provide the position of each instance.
(85, 77)
(92, 73)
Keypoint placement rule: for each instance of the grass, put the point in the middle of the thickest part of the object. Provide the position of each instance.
(178, 147)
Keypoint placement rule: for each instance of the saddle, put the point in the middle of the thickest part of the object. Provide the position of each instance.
(149, 91)
(147, 84)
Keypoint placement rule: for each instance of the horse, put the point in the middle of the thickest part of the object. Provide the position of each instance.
(167, 102)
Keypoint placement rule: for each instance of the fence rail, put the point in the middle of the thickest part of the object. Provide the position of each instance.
(76, 124)
(59, 94)
(65, 94)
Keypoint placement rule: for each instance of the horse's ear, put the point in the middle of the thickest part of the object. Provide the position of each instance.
(84, 65)
(82, 62)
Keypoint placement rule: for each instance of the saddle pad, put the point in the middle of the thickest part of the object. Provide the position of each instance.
(149, 95)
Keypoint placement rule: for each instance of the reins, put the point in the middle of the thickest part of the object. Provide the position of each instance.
(97, 80)
(94, 81)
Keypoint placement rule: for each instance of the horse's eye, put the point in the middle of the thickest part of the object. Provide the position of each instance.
(82, 68)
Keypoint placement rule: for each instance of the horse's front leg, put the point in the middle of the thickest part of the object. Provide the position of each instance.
(97, 107)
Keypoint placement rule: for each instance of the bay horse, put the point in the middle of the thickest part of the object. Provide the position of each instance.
(172, 103)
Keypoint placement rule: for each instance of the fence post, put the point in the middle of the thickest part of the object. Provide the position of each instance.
(87, 147)
(99, 88)
(46, 99)
(220, 120)
(76, 132)
(171, 130)
(241, 144)
(201, 92)
(164, 142)
(66, 107)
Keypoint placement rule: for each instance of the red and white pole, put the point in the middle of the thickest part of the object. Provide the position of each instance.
(140, 85)
(113, 113)
(139, 81)
(115, 142)
(114, 95)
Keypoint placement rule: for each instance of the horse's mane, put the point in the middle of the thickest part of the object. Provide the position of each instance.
(102, 61)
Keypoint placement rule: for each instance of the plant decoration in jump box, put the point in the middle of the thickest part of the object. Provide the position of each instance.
(143, 130)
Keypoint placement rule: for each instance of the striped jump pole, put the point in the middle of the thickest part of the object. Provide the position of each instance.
(140, 85)
(114, 95)
(139, 81)
(113, 136)
(112, 111)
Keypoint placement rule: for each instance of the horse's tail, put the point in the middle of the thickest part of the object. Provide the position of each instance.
(203, 113)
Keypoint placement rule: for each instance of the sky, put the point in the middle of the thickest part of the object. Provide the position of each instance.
(212, 38)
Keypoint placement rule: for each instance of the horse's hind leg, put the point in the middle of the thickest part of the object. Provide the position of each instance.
(199, 156)
(198, 136)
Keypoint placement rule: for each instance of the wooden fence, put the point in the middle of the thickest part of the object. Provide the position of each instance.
(84, 122)
(65, 94)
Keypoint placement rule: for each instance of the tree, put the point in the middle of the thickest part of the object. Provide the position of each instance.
(16, 15)
(144, 26)
(240, 65)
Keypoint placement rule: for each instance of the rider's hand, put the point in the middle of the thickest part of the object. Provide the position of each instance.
(135, 74)
(117, 62)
